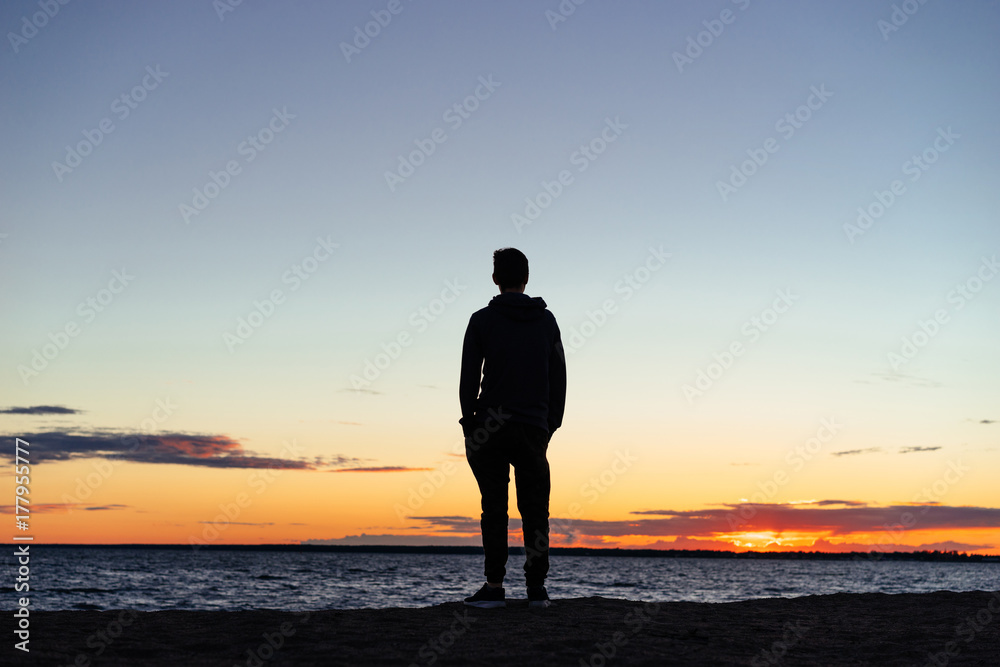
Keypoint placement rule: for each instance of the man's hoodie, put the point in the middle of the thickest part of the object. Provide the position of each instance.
(515, 344)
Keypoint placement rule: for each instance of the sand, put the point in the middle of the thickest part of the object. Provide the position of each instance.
(941, 628)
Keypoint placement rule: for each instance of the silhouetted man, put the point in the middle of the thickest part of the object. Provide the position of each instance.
(513, 346)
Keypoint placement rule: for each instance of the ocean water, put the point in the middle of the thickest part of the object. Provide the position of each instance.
(153, 579)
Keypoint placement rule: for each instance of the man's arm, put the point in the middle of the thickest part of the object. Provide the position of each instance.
(468, 384)
(557, 383)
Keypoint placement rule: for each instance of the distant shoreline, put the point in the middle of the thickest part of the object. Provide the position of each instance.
(929, 556)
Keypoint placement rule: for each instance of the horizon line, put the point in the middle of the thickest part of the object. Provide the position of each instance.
(466, 548)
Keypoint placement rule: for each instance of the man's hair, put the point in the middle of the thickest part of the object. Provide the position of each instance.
(510, 268)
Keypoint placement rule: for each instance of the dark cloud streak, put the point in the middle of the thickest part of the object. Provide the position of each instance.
(211, 451)
(41, 410)
(49, 508)
(380, 469)
(853, 452)
(850, 517)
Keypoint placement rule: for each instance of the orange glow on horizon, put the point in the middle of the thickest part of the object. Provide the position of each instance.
(111, 502)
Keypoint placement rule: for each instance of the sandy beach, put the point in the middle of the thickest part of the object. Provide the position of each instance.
(941, 628)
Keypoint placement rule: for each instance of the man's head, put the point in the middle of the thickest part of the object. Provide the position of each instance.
(510, 269)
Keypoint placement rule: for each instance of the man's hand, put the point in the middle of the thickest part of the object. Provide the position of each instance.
(468, 427)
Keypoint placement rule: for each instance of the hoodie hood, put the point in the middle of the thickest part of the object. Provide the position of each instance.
(517, 306)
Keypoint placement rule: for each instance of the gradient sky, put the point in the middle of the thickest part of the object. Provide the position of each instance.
(739, 343)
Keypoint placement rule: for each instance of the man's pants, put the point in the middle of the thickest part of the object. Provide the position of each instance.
(522, 446)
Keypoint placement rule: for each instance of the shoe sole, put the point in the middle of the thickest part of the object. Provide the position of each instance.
(488, 604)
(539, 604)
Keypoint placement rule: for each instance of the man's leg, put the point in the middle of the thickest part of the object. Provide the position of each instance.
(491, 467)
(531, 477)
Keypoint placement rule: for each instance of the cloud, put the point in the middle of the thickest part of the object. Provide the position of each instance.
(852, 452)
(846, 503)
(951, 545)
(212, 451)
(41, 410)
(987, 421)
(410, 540)
(819, 545)
(846, 518)
(51, 508)
(876, 450)
(455, 524)
(380, 469)
(240, 523)
(912, 380)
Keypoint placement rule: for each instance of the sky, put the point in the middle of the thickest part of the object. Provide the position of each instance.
(240, 244)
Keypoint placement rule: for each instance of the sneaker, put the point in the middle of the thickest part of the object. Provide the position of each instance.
(487, 598)
(538, 598)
